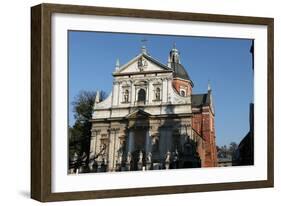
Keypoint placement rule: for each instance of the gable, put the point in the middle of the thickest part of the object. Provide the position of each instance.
(142, 63)
(138, 114)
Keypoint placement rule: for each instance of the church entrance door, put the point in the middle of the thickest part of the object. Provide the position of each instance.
(139, 154)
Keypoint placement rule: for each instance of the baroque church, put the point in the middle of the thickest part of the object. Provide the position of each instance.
(151, 120)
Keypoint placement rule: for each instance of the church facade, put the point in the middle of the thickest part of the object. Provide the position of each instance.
(152, 120)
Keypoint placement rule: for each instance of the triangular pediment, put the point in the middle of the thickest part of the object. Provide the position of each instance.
(138, 114)
(141, 64)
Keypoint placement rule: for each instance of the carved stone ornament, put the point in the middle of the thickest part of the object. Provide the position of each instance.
(142, 64)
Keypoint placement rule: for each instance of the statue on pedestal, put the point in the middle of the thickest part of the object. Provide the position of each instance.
(168, 160)
(119, 161)
(175, 164)
(148, 161)
(128, 161)
(140, 162)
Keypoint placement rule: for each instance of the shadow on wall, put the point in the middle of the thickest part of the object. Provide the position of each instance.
(178, 149)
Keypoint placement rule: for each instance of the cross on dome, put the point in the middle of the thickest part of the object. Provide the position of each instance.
(143, 48)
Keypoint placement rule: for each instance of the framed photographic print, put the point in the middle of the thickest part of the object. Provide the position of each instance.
(130, 102)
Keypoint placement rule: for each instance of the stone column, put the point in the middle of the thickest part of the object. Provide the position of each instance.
(119, 146)
(151, 91)
(165, 91)
(147, 143)
(148, 93)
(131, 142)
(132, 94)
(93, 144)
(119, 96)
(115, 91)
(116, 148)
(111, 153)
(169, 87)
(98, 145)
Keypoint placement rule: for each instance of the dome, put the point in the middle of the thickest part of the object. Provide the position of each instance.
(175, 64)
(179, 71)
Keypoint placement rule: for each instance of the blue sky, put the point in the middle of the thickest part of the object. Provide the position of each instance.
(225, 62)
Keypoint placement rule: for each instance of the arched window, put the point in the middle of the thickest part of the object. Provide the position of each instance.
(126, 95)
(182, 93)
(141, 95)
(157, 93)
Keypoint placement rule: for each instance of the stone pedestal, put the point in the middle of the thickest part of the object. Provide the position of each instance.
(81, 169)
(128, 166)
(139, 165)
(93, 166)
(167, 165)
(148, 166)
(101, 167)
(156, 166)
(118, 167)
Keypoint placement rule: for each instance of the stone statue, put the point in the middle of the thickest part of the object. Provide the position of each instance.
(75, 157)
(129, 158)
(104, 161)
(168, 157)
(167, 160)
(148, 161)
(149, 157)
(120, 157)
(157, 94)
(176, 156)
(103, 148)
(92, 165)
(142, 64)
(154, 144)
(140, 157)
(126, 96)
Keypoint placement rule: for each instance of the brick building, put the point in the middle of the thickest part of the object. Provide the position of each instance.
(203, 123)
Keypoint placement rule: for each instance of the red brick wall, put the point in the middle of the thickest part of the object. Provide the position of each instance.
(177, 83)
(201, 149)
(203, 124)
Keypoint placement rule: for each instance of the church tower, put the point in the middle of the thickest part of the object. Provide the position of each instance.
(181, 80)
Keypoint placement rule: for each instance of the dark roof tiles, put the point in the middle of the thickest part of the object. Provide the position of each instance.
(179, 71)
(199, 100)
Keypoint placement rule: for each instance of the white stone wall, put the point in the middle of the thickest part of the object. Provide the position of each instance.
(115, 107)
(156, 109)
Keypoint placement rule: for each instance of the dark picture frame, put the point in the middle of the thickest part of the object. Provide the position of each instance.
(41, 116)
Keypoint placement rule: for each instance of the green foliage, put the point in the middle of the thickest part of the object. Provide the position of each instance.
(83, 106)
